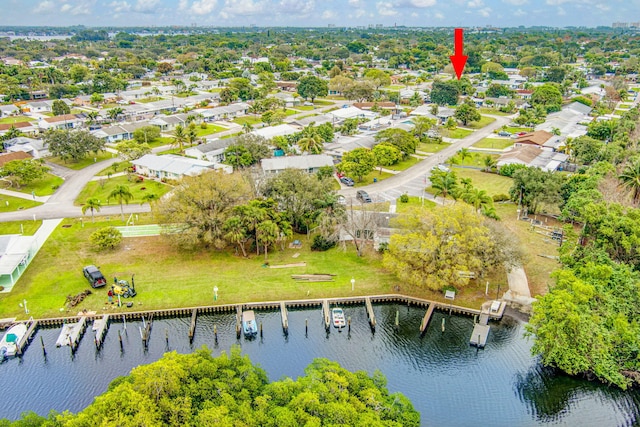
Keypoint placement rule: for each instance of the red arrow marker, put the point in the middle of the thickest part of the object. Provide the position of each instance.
(458, 60)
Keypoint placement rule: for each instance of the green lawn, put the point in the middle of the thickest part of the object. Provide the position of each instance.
(414, 202)
(87, 161)
(490, 182)
(624, 106)
(512, 129)
(403, 165)
(167, 276)
(290, 112)
(476, 159)
(497, 143)
(16, 119)
(456, 133)
(42, 187)
(493, 112)
(252, 120)
(430, 147)
(209, 130)
(484, 121)
(305, 107)
(27, 228)
(149, 99)
(12, 204)
(101, 190)
(321, 102)
(120, 167)
(368, 179)
(619, 111)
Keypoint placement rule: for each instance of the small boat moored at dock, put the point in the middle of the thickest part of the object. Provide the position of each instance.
(249, 325)
(10, 341)
(337, 315)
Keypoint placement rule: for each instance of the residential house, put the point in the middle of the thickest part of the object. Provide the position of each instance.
(273, 131)
(169, 123)
(316, 120)
(24, 127)
(8, 157)
(16, 252)
(169, 166)
(532, 156)
(212, 151)
(570, 122)
(344, 144)
(287, 86)
(224, 112)
(342, 114)
(33, 147)
(118, 132)
(309, 163)
(503, 102)
(288, 99)
(65, 121)
(383, 105)
(9, 110)
(524, 93)
(38, 106)
(539, 138)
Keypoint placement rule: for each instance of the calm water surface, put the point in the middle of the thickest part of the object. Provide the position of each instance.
(449, 382)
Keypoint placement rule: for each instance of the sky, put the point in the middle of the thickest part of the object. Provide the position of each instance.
(319, 13)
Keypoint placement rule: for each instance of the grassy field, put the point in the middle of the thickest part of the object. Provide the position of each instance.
(27, 228)
(252, 120)
(16, 119)
(121, 167)
(484, 121)
(368, 179)
(169, 277)
(429, 147)
(101, 190)
(403, 165)
(322, 102)
(209, 130)
(512, 129)
(87, 161)
(11, 204)
(456, 133)
(493, 112)
(490, 182)
(497, 143)
(413, 203)
(42, 187)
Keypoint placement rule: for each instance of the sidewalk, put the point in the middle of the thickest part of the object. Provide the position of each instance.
(41, 199)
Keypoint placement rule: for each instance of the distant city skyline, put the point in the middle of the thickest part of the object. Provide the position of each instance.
(316, 13)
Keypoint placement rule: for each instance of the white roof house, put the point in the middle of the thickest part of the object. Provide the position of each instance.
(16, 252)
(212, 151)
(351, 113)
(273, 131)
(310, 163)
(170, 166)
(34, 147)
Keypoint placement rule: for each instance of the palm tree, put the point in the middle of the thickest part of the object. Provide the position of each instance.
(149, 198)
(489, 163)
(464, 153)
(122, 194)
(237, 233)
(115, 112)
(444, 183)
(179, 136)
(246, 128)
(191, 134)
(477, 198)
(93, 204)
(267, 234)
(630, 178)
(311, 144)
(92, 116)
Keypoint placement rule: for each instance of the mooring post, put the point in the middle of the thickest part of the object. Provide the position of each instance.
(124, 321)
(261, 329)
(215, 332)
(306, 327)
(443, 324)
(349, 324)
(44, 351)
(120, 339)
(71, 346)
(166, 335)
(397, 319)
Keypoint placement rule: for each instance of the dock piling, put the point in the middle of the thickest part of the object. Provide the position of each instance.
(370, 314)
(326, 313)
(238, 321)
(44, 350)
(427, 318)
(261, 329)
(192, 328)
(285, 317)
(166, 336)
(397, 319)
(215, 333)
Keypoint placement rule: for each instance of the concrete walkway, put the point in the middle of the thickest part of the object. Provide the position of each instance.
(518, 292)
(19, 195)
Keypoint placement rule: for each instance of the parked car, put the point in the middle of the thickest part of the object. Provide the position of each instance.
(342, 200)
(504, 133)
(347, 181)
(94, 276)
(440, 168)
(363, 196)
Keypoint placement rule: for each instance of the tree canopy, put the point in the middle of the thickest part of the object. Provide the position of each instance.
(72, 145)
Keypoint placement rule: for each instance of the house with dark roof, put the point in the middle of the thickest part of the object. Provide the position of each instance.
(24, 127)
(537, 138)
(8, 157)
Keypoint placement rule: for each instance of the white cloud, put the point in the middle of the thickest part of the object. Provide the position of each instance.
(438, 15)
(557, 2)
(356, 3)
(422, 3)
(203, 7)
(328, 14)
(44, 7)
(242, 8)
(79, 7)
(486, 12)
(183, 5)
(119, 6)
(475, 3)
(146, 6)
(603, 7)
(519, 12)
(386, 9)
(65, 7)
(359, 13)
(516, 2)
(561, 12)
(296, 7)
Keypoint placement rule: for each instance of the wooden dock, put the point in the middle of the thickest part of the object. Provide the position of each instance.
(285, 317)
(427, 318)
(100, 327)
(192, 328)
(326, 313)
(238, 320)
(71, 333)
(480, 331)
(370, 314)
(20, 345)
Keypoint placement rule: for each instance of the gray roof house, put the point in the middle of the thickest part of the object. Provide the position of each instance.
(118, 132)
(169, 166)
(169, 122)
(223, 112)
(212, 151)
(34, 147)
(7, 110)
(310, 163)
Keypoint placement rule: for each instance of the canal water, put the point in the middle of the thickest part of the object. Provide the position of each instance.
(448, 381)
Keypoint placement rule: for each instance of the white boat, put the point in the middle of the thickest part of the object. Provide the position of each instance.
(338, 317)
(9, 343)
(249, 325)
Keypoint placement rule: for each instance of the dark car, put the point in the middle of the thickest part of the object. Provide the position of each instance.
(504, 133)
(347, 181)
(363, 196)
(94, 276)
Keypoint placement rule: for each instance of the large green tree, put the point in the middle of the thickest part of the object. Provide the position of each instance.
(445, 93)
(312, 87)
(548, 96)
(23, 172)
(358, 162)
(73, 145)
